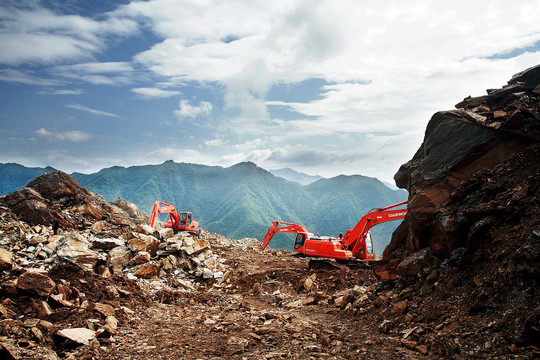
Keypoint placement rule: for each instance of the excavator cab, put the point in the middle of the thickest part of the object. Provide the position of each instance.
(368, 249)
(299, 241)
(369, 243)
(186, 219)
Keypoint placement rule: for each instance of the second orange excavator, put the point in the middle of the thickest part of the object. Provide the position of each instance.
(357, 243)
(178, 221)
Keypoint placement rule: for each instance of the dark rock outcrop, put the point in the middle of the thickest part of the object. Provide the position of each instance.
(474, 196)
(484, 133)
(56, 195)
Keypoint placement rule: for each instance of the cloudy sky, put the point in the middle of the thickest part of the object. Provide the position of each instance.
(324, 87)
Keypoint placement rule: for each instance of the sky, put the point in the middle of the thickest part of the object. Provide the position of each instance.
(323, 87)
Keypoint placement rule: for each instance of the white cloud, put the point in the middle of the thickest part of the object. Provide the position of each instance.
(62, 92)
(90, 110)
(400, 49)
(214, 143)
(155, 92)
(187, 110)
(249, 145)
(17, 76)
(70, 136)
(96, 67)
(97, 73)
(38, 35)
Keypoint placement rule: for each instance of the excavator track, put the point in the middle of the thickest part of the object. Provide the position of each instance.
(331, 264)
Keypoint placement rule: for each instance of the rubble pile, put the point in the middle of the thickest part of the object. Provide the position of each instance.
(77, 286)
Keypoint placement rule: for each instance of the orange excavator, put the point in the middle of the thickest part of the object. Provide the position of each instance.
(178, 221)
(357, 243)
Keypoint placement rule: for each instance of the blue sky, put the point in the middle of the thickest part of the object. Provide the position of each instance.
(324, 87)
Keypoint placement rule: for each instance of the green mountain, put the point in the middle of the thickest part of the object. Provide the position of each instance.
(243, 200)
(14, 176)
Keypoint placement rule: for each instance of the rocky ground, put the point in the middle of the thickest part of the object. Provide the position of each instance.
(224, 299)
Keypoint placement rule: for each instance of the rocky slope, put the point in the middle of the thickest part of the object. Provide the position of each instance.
(122, 290)
(472, 232)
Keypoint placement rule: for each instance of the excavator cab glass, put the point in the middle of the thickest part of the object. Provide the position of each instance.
(185, 219)
(369, 243)
(299, 241)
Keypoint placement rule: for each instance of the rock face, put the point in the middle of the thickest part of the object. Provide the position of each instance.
(57, 195)
(483, 133)
(472, 232)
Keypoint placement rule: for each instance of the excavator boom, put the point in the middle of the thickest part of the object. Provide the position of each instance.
(354, 239)
(161, 207)
(285, 228)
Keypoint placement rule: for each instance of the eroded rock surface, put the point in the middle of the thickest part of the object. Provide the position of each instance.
(474, 204)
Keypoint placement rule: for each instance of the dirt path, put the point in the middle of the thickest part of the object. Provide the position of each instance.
(258, 312)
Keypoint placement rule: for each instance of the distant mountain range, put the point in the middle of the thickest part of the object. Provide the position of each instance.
(237, 201)
(293, 175)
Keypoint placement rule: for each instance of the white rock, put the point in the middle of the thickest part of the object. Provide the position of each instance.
(78, 335)
(207, 273)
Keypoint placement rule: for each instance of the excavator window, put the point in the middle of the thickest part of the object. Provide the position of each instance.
(185, 219)
(299, 241)
(369, 243)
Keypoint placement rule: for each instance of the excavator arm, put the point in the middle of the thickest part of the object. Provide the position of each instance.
(354, 238)
(285, 228)
(161, 207)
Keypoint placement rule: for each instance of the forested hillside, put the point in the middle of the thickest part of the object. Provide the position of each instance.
(243, 200)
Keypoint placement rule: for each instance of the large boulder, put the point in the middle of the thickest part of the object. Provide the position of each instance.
(36, 282)
(75, 248)
(146, 271)
(118, 258)
(31, 206)
(55, 185)
(139, 216)
(57, 195)
(481, 134)
(6, 259)
(144, 243)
